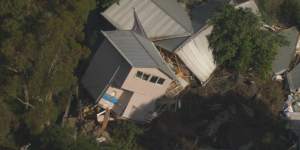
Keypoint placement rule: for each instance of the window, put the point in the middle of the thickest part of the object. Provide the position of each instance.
(139, 74)
(154, 79)
(161, 81)
(146, 77)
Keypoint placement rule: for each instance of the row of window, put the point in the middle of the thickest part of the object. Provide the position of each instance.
(153, 79)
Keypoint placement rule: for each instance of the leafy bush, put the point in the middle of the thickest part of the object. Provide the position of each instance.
(239, 42)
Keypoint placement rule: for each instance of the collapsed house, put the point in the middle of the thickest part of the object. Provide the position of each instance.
(286, 53)
(168, 25)
(127, 74)
(138, 63)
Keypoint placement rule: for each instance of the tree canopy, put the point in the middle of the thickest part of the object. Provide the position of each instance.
(41, 43)
(64, 138)
(240, 43)
(284, 12)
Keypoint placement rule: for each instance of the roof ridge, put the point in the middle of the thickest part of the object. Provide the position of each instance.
(116, 47)
(163, 62)
(193, 36)
(135, 36)
(172, 16)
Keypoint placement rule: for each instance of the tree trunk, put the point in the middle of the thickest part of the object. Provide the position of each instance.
(26, 95)
(67, 110)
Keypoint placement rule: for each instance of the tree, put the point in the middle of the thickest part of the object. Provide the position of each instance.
(124, 136)
(239, 42)
(63, 138)
(42, 43)
(6, 120)
(227, 121)
(270, 10)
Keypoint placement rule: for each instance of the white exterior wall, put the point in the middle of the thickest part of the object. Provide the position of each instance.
(145, 93)
(143, 87)
(140, 107)
(197, 55)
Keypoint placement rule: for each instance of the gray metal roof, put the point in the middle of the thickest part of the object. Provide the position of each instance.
(293, 78)
(98, 75)
(171, 44)
(161, 19)
(138, 51)
(286, 53)
(203, 12)
(177, 12)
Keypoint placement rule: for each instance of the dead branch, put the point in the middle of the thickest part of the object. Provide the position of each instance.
(25, 103)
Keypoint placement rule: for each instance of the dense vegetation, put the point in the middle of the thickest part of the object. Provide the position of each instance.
(285, 12)
(41, 43)
(239, 42)
(218, 122)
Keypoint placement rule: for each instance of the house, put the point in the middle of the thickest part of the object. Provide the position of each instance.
(286, 53)
(127, 75)
(195, 51)
(293, 78)
(161, 19)
(197, 55)
(168, 25)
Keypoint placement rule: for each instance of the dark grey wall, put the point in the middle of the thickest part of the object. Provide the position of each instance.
(101, 69)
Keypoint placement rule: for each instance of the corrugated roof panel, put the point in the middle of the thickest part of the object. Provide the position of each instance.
(157, 17)
(138, 51)
(130, 48)
(197, 55)
(155, 55)
(171, 44)
(177, 12)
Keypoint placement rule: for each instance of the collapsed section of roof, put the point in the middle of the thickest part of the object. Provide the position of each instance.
(171, 44)
(161, 19)
(197, 55)
(138, 51)
(286, 53)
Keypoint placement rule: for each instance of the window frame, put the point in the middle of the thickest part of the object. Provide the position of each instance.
(139, 76)
(157, 78)
(161, 79)
(147, 76)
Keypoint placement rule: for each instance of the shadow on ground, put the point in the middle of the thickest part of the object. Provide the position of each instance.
(229, 121)
(93, 36)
